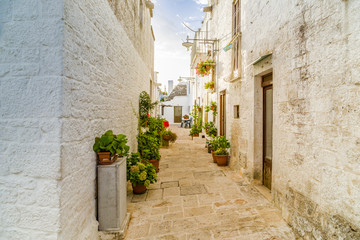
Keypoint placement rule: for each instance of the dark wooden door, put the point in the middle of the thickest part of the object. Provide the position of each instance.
(223, 113)
(267, 130)
(177, 114)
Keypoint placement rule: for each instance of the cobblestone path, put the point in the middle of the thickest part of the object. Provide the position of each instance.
(196, 199)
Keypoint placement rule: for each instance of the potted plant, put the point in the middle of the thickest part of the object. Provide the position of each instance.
(195, 130)
(213, 106)
(210, 85)
(210, 129)
(148, 147)
(141, 175)
(203, 68)
(109, 146)
(145, 106)
(218, 143)
(186, 116)
(168, 136)
(221, 156)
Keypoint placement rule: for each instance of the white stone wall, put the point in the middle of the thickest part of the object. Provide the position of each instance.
(316, 97)
(104, 76)
(30, 121)
(68, 73)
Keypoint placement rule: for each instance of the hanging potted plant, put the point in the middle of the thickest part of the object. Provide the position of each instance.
(109, 146)
(210, 85)
(213, 106)
(141, 175)
(203, 68)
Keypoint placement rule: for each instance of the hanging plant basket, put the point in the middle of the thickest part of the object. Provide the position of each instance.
(203, 68)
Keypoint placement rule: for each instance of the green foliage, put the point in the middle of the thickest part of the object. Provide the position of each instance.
(195, 129)
(221, 151)
(169, 136)
(219, 142)
(142, 174)
(148, 145)
(196, 114)
(207, 108)
(210, 129)
(210, 85)
(145, 105)
(131, 160)
(115, 144)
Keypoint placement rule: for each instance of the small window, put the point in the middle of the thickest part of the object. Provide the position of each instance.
(162, 110)
(236, 111)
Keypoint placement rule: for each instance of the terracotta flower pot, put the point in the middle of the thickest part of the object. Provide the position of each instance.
(139, 189)
(213, 108)
(155, 163)
(196, 135)
(105, 158)
(213, 156)
(166, 137)
(221, 160)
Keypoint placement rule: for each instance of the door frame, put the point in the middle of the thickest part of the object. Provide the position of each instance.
(266, 86)
(222, 114)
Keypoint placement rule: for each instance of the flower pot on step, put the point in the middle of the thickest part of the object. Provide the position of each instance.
(222, 160)
(139, 189)
(214, 157)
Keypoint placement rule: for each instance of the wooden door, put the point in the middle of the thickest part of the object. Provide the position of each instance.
(177, 114)
(267, 129)
(223, 113)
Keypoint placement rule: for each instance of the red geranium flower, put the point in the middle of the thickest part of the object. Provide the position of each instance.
(166, 124)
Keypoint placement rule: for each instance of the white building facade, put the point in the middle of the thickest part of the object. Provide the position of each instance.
(288, 91)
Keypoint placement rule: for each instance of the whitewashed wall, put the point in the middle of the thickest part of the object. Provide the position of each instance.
(31, 35)
(68, 73)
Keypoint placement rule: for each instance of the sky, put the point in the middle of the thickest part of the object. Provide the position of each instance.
(171, 58)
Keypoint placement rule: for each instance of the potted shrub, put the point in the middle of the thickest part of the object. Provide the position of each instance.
(219, 143)
(168, 136)
(195, 130)
(221, 156)
(148, 147)
(141, 175)
(109, 146)
(186, 116)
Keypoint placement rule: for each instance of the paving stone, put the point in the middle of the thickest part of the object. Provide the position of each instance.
(196, 199)
(154, 194)
(170, 184)
(174, 191)
(192, 190)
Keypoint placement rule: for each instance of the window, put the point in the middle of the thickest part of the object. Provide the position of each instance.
(236, 111)
(236, 54)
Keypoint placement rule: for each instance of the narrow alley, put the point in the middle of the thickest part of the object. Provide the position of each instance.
(196, 199)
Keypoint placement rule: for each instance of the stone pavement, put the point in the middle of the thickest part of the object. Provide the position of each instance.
(196, 199)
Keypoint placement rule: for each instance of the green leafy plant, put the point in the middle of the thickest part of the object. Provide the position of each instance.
(210, 85)
(142, 174)
(221, 151)
(219, 142)
(148, 145)
(109, 142)
(169, 136)
(210, 128)
(145, 106)
(195, 129)
(207, 108)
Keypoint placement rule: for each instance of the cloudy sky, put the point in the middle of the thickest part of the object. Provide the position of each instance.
(171, 58)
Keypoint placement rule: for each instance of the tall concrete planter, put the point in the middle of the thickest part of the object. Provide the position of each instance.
(112, 207)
